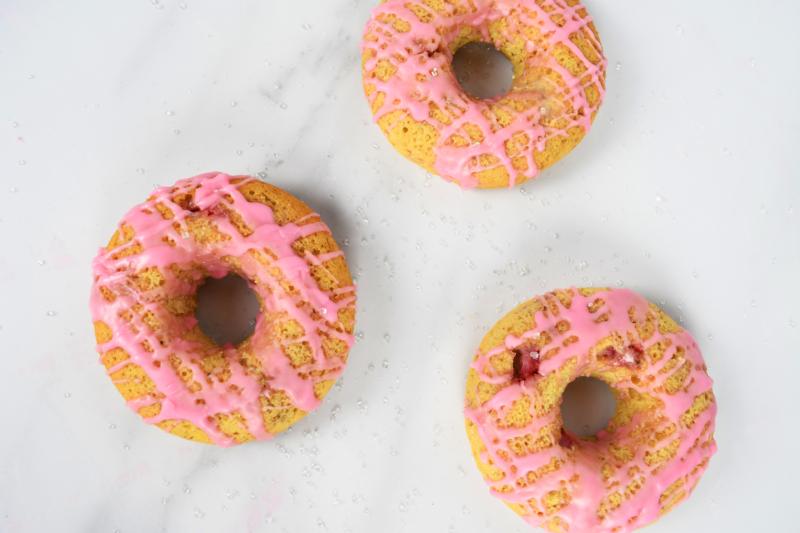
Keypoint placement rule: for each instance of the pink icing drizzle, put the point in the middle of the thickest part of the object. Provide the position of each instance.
(314, 309)
(424, 53)
(587, 493)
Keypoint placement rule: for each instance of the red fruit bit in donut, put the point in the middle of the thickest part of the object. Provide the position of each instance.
(632, 356)
(636, 352)
(608, 353)
(566, 440)
(217, 210)
(526, 362)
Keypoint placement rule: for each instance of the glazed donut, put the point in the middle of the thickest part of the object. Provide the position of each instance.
(656, 446)
(143, 302)
(559, 84)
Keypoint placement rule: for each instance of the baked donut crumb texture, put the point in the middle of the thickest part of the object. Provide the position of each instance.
(143, 301)
(653, 451)
(559, 84)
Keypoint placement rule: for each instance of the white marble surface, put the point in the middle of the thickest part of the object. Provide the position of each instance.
(688, 189)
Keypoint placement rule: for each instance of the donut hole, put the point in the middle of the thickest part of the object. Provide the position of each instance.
(227, 309)
(483, 71)
(587, 406)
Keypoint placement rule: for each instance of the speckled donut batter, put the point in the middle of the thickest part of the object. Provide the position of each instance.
(654, 450)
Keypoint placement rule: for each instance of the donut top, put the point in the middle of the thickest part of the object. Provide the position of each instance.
(559, 83)
(143, 300)
(653, 451)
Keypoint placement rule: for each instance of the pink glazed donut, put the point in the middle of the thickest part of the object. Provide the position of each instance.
(655, 448)
(559, 84)
(143, 302)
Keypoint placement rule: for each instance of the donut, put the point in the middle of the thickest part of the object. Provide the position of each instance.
(654, 449)
(144, 295)
(559, 84)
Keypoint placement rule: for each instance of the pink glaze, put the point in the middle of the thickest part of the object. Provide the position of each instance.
(423, 59)
(583, 458)
(314, 309)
